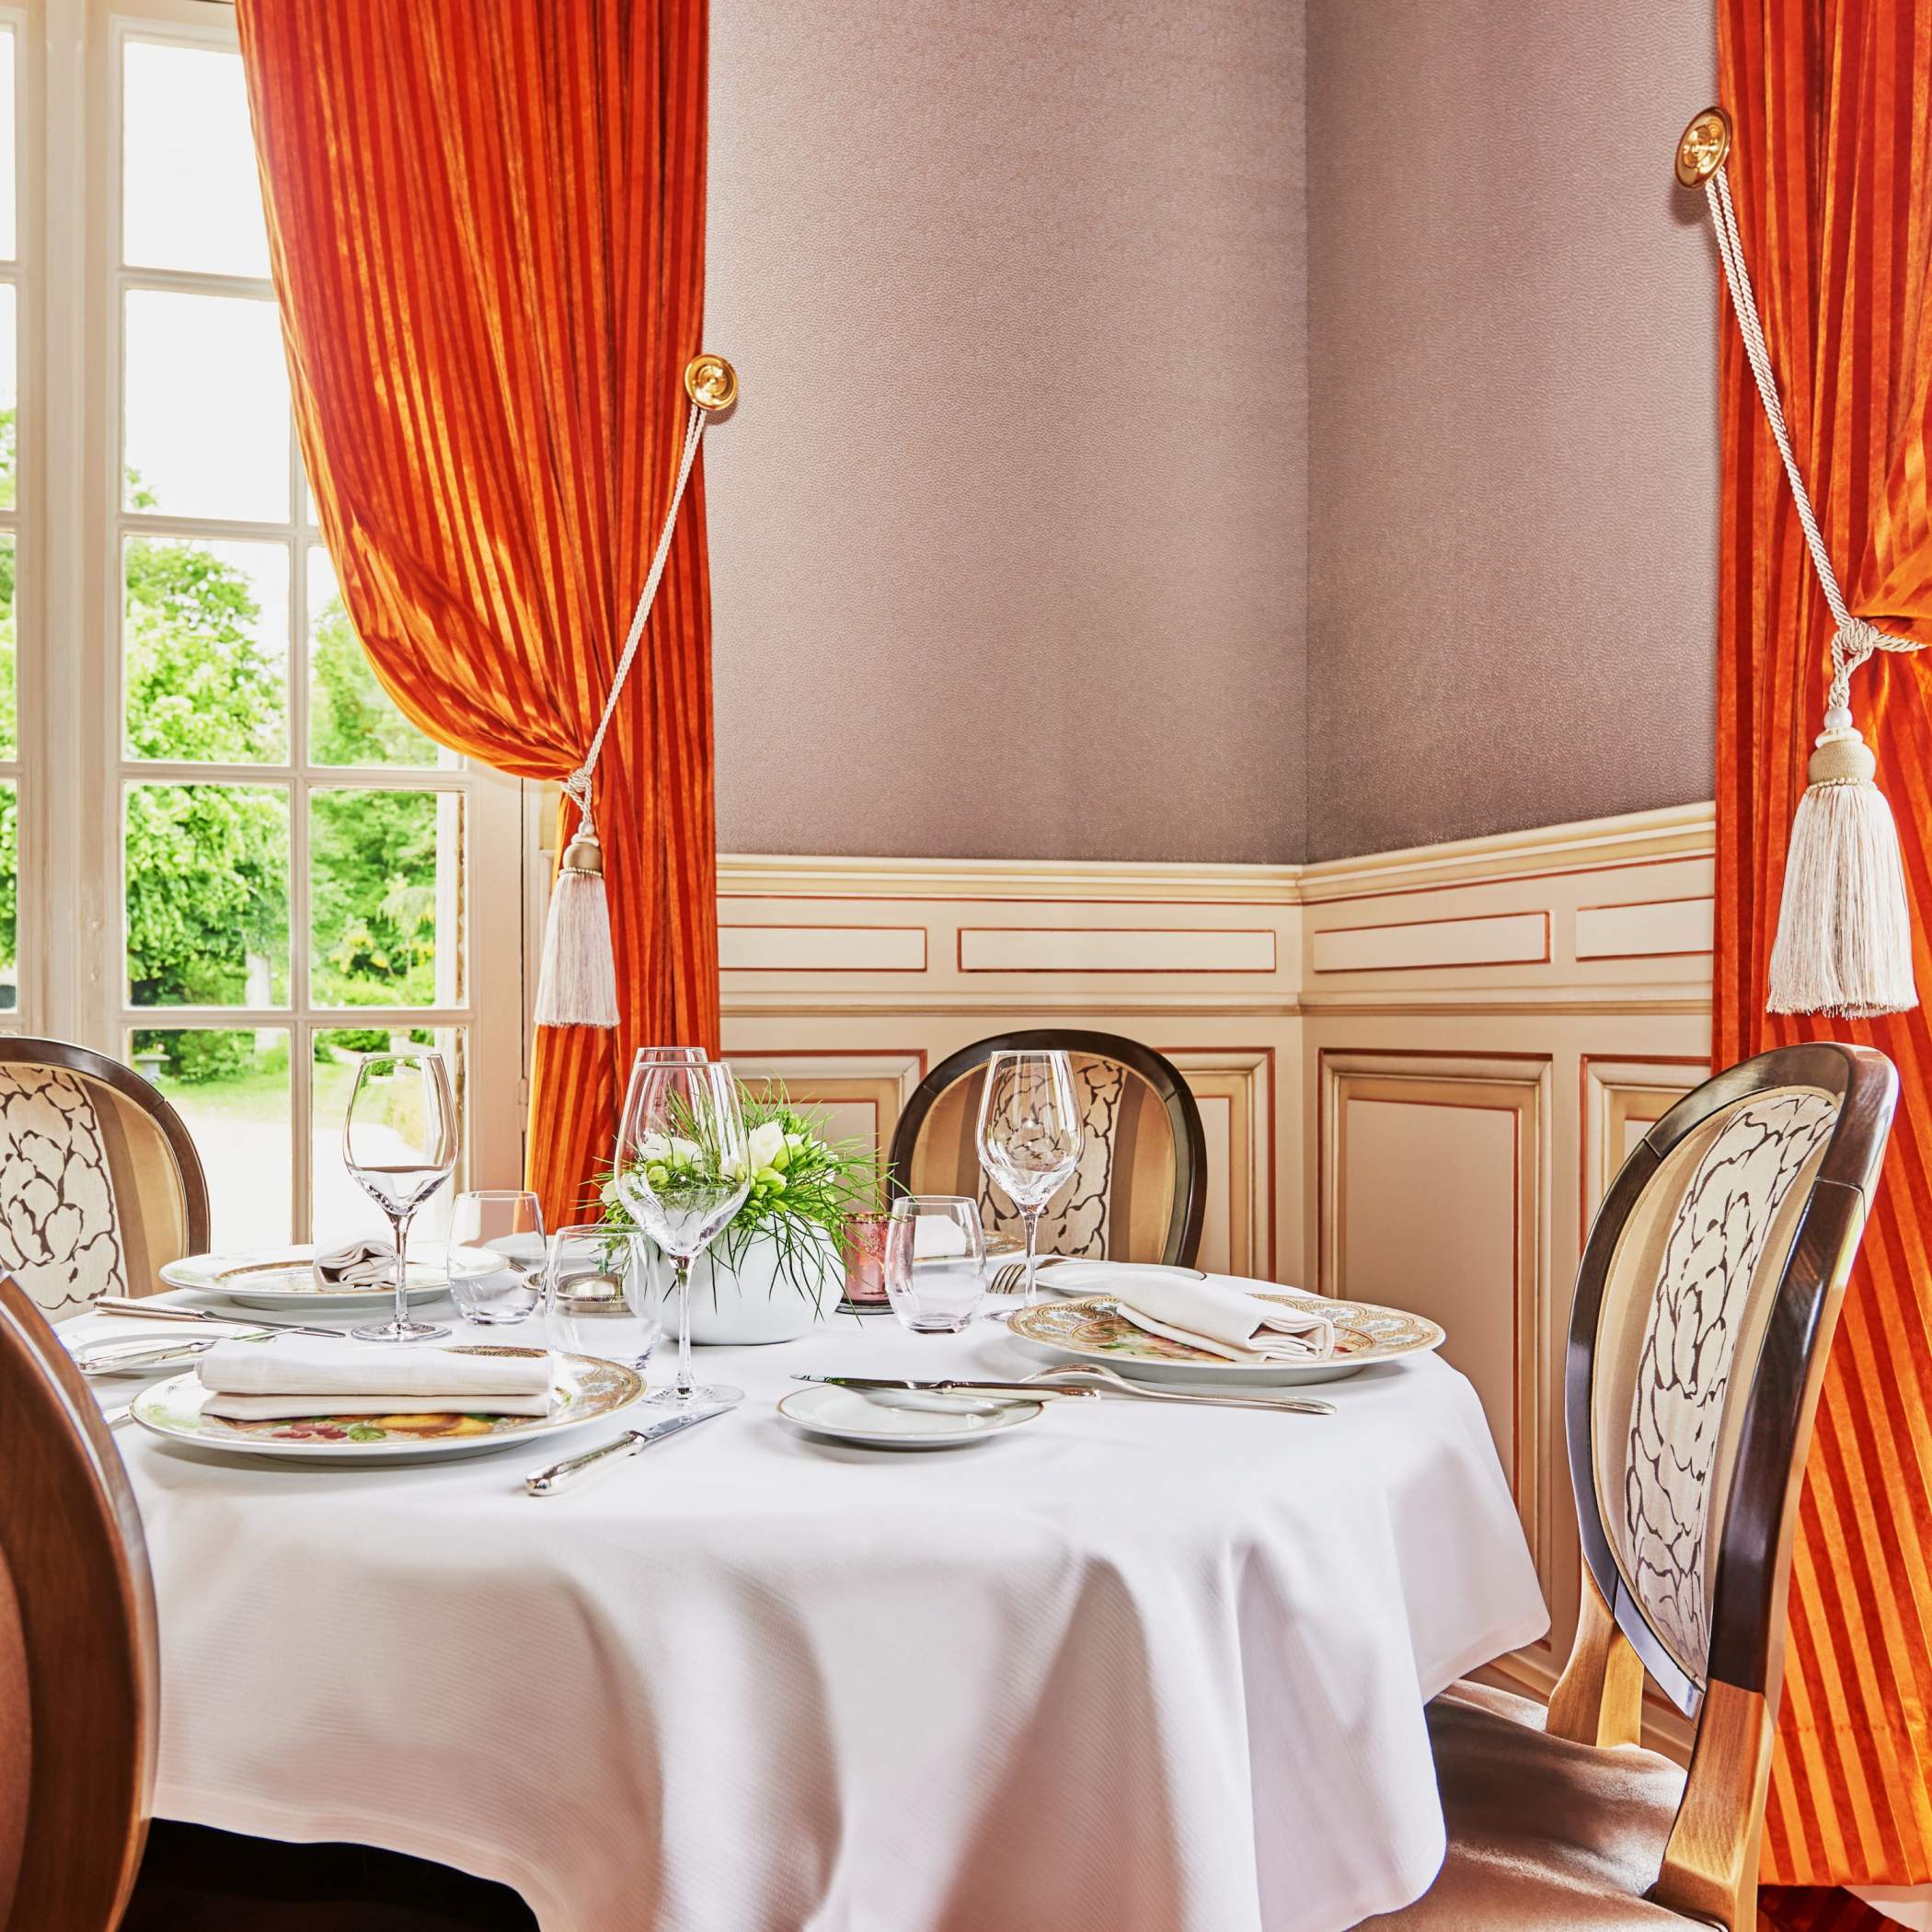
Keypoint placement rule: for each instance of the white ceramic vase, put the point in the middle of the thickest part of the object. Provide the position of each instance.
(756, 1300)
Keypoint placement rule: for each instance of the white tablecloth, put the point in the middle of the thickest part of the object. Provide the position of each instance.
(1129, 1668)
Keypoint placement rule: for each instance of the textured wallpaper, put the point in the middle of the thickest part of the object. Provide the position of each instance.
(1514, 439)
(1007, 534)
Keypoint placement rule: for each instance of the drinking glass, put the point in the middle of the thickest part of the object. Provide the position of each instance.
(935, 1262)
(509, 1223)
(1029, 1136)
(682, 1170)
(596, 1291)
(670, 1056)
(399, 1143)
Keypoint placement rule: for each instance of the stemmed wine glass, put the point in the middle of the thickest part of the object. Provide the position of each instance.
(399, 1142)
(1030, 1134)
(682, 1170)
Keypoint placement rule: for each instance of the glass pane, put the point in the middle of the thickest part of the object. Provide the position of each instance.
(8, 163)
(191, 196)
(386, 882)
(9, 896)
(205, 634)
(9, 684)
(207, 407)
(208, 895)
(342, 1209)
(351, 719)
(9, 397)
(232, 1087)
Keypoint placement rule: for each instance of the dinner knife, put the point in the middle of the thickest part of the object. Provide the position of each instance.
(1025, 1391)
(573, 1469)
(126, 1305)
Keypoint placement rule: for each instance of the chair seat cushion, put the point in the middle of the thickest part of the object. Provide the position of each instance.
(1543, 1833)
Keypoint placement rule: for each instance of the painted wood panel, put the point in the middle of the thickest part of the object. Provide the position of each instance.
(1110, 950)
(1418, 944)
(1655, 928)
(822, 948)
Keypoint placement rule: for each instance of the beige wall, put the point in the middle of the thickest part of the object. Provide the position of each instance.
(1007, 532)
(1513, 435)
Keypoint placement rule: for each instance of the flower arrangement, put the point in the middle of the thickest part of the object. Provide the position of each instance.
(803, 1184)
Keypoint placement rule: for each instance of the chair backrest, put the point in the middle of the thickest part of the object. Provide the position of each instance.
(101, 1185)
(79, 1666)
(1140, 1191)
(1705, 1307)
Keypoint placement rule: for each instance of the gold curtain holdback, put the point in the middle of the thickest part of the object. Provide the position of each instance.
(711, 383)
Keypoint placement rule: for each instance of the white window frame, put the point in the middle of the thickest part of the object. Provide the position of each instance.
(72, 525)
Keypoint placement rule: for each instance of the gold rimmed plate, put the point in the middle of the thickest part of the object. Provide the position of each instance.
(587, 1389)
(276, 1278)
(1090, 1328)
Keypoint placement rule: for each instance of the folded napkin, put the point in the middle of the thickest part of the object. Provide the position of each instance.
(357, 1264)
(1223, 1320)
(305, 1375)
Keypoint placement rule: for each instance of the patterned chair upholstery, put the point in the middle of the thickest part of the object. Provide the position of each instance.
(1705, 1306)
(1138, 1193)
(101, 1186)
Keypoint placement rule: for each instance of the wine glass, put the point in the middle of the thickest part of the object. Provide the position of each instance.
(1030, 1134)
(682, 1170)
(509, 1221)
(399, 1143)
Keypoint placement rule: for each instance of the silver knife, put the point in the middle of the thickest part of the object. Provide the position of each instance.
(559, 1476)
(1030, 1391)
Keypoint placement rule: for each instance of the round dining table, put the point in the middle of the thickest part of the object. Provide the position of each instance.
(1133, 1666)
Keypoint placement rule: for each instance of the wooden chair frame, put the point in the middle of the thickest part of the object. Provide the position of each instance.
(1183, 1239)
(16, 1051)
(1709, 1869)
(71, 1543)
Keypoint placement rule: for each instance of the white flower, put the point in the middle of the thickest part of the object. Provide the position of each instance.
(765, 1140)
(685, 1154)
(608, 1194)
(653, 1147)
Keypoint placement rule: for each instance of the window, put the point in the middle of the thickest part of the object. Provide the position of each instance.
(275, 861)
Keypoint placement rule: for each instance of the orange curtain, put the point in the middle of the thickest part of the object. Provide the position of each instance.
(486, 230)
(1832, 172)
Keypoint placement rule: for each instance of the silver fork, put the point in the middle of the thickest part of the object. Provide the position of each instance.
(1012, 1277)
(1108, 1378)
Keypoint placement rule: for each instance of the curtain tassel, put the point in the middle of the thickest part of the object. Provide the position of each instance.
(1844, 925)
(578, 984)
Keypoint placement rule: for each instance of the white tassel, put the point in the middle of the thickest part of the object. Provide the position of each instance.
(578, 984)
(1844, 928)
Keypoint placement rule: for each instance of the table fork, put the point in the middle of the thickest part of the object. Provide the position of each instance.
(1092, 1373)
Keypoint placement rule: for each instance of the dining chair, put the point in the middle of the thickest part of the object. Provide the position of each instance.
(1140, 1191)
(1705, 1306)
(79, 1666)
(101, 1185)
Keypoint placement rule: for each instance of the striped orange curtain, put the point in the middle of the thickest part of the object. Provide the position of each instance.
(486, 230)
(1832, 172)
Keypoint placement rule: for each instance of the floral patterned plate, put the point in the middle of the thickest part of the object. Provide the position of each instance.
(274, 1278)
(1091, 1329)
(588, 1390)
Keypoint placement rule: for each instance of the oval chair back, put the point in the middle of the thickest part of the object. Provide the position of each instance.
(100, 1174)
(78, 1664)
(1705, 1302)
(1140, 1191)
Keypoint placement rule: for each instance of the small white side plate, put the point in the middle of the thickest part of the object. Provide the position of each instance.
(853, 1417)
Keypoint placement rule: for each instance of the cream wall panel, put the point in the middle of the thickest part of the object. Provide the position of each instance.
(1107, 950)
(1652, 928)
(820, 949)
(1411, 945)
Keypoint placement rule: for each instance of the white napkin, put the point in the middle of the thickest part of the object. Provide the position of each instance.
(305, 1375)
(1223, 1320)
(367, 1263)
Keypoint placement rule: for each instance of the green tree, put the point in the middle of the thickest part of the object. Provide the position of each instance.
(207, 864)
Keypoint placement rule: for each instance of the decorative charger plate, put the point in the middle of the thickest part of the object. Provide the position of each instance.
(280, 1277)
(1091, 1329)
(587, 1389)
